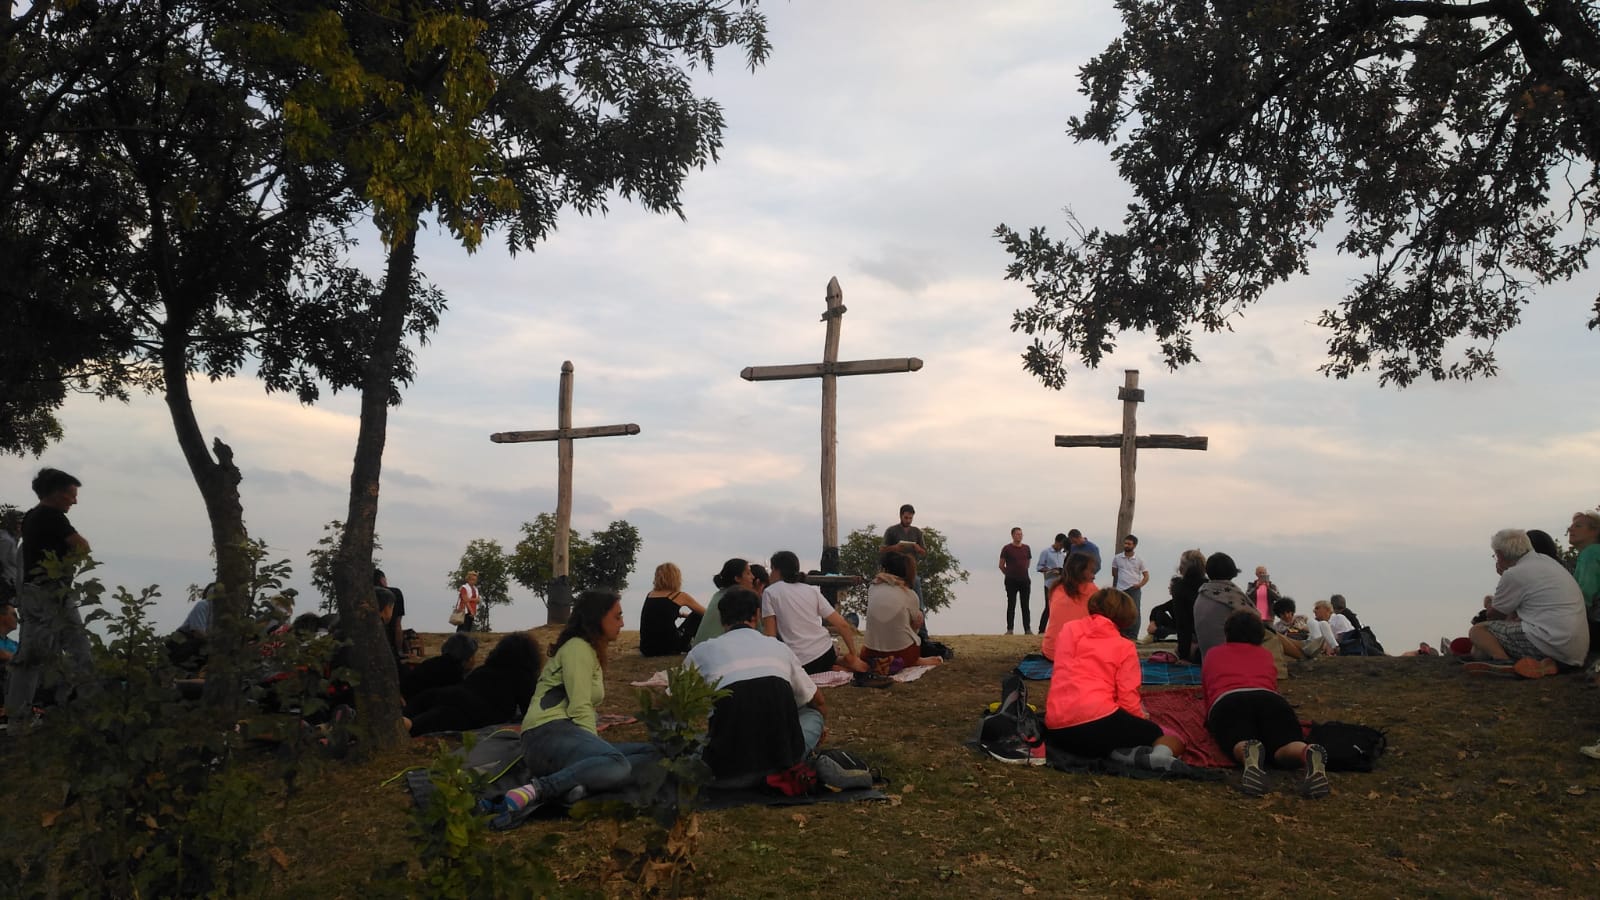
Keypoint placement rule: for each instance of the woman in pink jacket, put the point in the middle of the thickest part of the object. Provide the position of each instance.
(1093, 709)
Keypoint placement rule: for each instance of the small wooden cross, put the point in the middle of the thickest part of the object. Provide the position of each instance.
(829, 371)
(563, 436)
(1129, 441)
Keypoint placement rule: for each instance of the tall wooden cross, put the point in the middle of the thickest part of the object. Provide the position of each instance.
(559, 602)
(829, 371)
(1129, 441)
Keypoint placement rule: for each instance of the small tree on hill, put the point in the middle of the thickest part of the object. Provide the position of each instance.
(605, 559)
(321, 567)
(939, 569)
(489, 560)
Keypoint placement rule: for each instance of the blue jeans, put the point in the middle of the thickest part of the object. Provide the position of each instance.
(564, 755)
(811, 726)
(1138, 620)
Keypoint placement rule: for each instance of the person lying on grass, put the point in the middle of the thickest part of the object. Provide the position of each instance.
(561, 742)
(1093, 708)
(492, 694)
(1069, 599)
(893, 618)
(1247, 715)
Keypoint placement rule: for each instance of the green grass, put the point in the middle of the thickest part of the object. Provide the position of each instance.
(1482, 793)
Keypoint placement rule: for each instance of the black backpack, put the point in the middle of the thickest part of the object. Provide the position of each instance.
(1351, 748)
(1013, 718)
(1360, 642)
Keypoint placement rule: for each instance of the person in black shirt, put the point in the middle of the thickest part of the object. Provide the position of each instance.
(51, 624)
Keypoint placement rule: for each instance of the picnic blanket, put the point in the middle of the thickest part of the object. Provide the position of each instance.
(831, 678)
(1037, 668)
(1183, 713)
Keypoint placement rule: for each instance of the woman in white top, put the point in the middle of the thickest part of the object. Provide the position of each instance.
(794, 612)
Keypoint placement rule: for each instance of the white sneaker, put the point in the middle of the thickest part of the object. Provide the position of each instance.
(1146, 638)
(1592, 751)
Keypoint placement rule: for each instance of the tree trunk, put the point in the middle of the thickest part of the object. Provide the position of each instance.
(378, 687)
(218, 480)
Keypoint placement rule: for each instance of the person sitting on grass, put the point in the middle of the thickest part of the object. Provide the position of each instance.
(446, 669)
(1069, 599)
(1218, 599)
(1093, 708)
(1328, 625)
(773, 715)
(670, 617)
(561, 742)
(1247, 715)
(893, 617)
(492, 694)
(735, 574)
(798, 614)
(1536, 624)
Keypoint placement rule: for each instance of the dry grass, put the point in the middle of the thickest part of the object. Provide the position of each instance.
(1481, 794)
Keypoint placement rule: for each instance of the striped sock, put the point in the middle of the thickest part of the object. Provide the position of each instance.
(517, 798)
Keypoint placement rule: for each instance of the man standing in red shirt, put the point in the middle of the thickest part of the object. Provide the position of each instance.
(1014, 560)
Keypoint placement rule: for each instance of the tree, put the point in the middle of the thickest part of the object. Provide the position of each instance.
(938, 569)
(489, 560)
(321, 565)
(501, 121)
(602, 560)
(156, 229)
(1458, 142)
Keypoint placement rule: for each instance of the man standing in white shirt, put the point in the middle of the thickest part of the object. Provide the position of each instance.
(1129, 575)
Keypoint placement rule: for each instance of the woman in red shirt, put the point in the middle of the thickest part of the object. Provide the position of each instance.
(1247, 715)
(1093, 708)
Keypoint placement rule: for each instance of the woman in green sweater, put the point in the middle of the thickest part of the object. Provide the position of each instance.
(560, 743)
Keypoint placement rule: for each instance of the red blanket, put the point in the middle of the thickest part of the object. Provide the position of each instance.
(1182, 712)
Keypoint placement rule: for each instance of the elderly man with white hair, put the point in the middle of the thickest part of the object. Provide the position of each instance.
(1536, 622)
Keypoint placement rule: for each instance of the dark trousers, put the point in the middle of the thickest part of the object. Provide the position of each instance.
(1018, 588)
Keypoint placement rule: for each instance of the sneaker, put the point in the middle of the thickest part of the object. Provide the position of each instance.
(1592, 751)
(872, 680)
(1010, 632)
(1146, 638)
(1315, 785)
(1254, 782)
(1039, 756)
(1502, 667)
(1012, 751)
(573, 796)
(1535, 668)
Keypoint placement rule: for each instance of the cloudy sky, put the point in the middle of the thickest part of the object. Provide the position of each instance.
(881, 144)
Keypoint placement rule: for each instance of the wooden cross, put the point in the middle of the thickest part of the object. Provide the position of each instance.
(829, 371)
(563, 436)
(1129, 441)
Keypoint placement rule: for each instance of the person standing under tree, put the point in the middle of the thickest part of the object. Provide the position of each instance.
(51, 623)
(10, 554)
(1014, 559)
(1051, 561)
(1129, 575)
(467, 601)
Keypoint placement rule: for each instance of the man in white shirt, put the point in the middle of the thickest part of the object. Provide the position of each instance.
(1536, 620)
(774, 714)
(1129, 575)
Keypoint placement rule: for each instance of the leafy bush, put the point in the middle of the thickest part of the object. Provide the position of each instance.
(458, 855)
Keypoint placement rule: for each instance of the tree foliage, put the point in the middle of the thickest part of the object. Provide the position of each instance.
(489, 560)
(939, 569)
(1453, 147)
(320, 566)
(605, 559)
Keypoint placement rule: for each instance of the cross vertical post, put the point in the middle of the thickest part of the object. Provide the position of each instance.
(558, 597)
